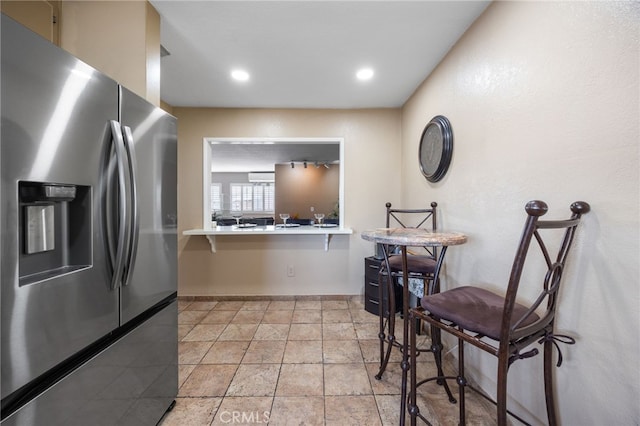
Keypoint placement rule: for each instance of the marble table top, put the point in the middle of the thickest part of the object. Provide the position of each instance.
(413, 237)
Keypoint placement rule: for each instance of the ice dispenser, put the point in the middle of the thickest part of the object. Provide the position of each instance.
(55, 226)
(40, 236)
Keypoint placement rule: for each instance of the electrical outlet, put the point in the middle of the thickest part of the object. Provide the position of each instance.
(291, 271)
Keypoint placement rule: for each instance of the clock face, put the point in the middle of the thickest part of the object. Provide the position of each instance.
(436, 147)
(431, 152)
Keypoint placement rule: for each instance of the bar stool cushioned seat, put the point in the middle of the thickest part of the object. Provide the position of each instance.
(475, 309)
(416, 264)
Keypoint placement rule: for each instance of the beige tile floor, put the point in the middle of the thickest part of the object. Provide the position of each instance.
(294, 362)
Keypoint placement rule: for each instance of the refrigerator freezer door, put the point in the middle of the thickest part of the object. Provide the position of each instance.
(152, 275)
(55, 129)
(130, 383)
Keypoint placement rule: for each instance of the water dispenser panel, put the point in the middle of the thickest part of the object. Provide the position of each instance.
(55, 229)
(40, 228)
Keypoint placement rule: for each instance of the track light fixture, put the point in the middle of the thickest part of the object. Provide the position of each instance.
(305, 164)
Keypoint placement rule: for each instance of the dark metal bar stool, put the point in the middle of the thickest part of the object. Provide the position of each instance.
(498, 324)
(421, 268)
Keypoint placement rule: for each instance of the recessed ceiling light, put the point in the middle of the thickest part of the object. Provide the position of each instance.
(240, 75)
(364, 74)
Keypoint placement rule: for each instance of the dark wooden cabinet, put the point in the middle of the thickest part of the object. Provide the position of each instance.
(371, 285)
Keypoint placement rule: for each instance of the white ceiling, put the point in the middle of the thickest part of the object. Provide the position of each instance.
(304, 54)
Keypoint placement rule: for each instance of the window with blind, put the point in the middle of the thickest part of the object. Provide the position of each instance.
(215, 197)
(252, 197)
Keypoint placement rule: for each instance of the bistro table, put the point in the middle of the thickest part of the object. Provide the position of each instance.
(403, 238)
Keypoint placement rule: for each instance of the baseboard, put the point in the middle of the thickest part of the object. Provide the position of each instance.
(217, 298)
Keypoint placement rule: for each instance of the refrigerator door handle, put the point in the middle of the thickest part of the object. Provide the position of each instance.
(134, 222)
(123, 237)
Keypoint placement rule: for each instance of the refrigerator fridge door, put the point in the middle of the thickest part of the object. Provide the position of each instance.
(151, 275)
(55, 137)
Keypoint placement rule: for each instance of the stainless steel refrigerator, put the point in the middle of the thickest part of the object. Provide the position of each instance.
(88, 243)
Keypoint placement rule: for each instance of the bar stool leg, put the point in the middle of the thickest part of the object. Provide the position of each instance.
(405, 337)
(381, 316)
(413, 405)
(548, 383)
(501, 400)
(391, 322)
(436, 348)
(462, 382)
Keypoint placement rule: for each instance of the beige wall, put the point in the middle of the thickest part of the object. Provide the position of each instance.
(119, 38)
(152, 54)
(299, 189)
(40, 16)
(257, 265)
(543, 98)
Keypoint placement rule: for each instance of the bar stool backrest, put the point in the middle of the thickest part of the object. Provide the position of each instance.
(426, 218)
(534, 229)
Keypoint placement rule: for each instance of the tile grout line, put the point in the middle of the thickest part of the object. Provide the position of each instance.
(321, 324)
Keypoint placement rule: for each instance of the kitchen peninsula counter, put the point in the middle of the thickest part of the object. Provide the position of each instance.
(326, 231)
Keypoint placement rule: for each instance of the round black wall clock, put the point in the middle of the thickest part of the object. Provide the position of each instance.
(436, 147)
